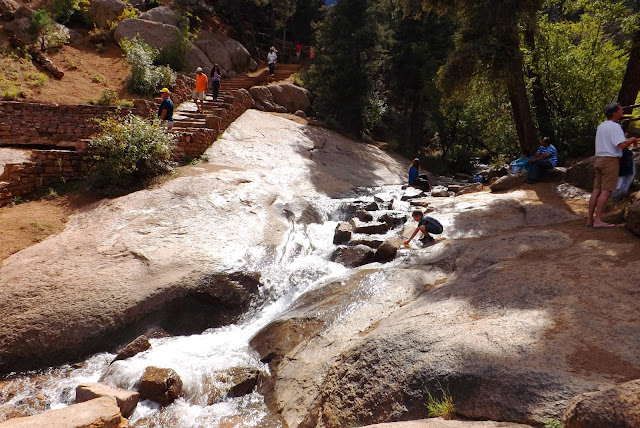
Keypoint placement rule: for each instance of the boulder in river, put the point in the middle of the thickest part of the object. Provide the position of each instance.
(369, 227)
(387, 251)
(161, 385)
(353, 256)
(244, 380)
(342, 233)
(126, 400)
(364, 215)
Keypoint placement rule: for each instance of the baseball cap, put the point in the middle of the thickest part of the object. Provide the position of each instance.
(165, 90)
(198, 69)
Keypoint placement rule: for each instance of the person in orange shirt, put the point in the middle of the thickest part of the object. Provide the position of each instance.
(201, 87)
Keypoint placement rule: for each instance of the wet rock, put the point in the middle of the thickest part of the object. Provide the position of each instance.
(421, 202)
(387, 251)
(582, 174)
(353, 256)
(244, 381)
(161, 385)
(385, 198)
(508, 182)
(614, 407)
(371, 206)
(411, 193)
(368, 241)
(370, 227)
(364, 216)
(301, 114)
(126, 400)
(342, 233)
(137, 345)
(393, 219)
(632, 217)
(9, 411)
(97, 413)
(475, 187)
(439, 191)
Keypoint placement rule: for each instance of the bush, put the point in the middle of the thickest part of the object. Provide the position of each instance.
(145, 78)
(67, 11)
(442, 408)
(175, 54)
(130, 150)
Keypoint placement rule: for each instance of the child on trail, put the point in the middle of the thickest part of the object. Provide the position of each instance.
(426, 225)
(520, 164)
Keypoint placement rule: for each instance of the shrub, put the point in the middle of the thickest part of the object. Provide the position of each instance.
(109, 97)
(145, 78)
(443, 407)
(67, 11)
(45, 33)
(175, 54)
(130, 150)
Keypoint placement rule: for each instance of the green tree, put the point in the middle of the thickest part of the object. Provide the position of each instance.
(350, 52)
(39, 26)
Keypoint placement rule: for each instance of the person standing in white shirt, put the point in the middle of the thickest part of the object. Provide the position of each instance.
(272, 58)
(610, 140)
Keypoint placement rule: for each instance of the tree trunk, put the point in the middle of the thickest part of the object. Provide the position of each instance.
(540, 107)
(631, 82)
(520, 105)
(44, 61)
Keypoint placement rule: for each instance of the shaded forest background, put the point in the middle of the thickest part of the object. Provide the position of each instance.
(457, 80)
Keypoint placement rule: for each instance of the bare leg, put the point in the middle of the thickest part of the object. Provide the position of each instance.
(602, 200)
(592, 206)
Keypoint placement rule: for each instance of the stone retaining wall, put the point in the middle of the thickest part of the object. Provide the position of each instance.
(39, 123)
(46, 166)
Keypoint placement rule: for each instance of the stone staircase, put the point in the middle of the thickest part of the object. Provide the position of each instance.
(187, 119)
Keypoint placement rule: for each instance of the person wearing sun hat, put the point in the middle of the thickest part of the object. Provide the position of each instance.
(165, 111)
(201, 87)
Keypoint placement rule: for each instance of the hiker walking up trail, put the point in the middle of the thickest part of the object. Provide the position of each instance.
(610, 141)
(426, 225)
(215, 81)
(201, 88)
(165, 111)
(272, 58)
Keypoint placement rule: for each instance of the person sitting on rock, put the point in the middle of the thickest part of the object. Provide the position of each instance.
(520, 164)
(415, 178)
(426, 225)
(545, 158)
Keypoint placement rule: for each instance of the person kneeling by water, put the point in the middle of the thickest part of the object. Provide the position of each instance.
(426, 225)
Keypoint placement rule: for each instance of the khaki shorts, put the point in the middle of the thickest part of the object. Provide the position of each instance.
(198, 95)
(606, 170)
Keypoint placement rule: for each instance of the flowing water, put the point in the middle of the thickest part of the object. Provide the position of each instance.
(203, 361)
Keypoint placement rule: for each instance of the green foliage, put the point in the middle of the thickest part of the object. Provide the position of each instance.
(67, 11)
(553, 423)
(18, 76)
(581, 69)
(99, 78)
(349, 59)
(174, 55)
(145, 78)
(39, 25)
(129, 150)
(440, 407)
(108, 97)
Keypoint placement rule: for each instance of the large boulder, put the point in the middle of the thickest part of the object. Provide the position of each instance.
(357, 255)
(387, 251)
(613, 407)
(291, 97)
(104, 12)
(160, 385)
(18, 27)
(582, 174)
(165, 15)
(126, 400)
(244, 380)
(507, 182)
(229, 54)
(160, 35)
(23, 12)
(368, 227)
(262, 98)
(8, 6)
(443, 423)
(632, 217)
(101, 412)
(342, 233)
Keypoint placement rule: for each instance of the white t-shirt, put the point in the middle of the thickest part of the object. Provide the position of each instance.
(608, 136)
(271, 57)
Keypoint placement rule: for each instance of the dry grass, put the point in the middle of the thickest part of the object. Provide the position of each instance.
(18, 76)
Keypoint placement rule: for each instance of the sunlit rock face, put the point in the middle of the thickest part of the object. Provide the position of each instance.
(184, 255)
(512, 318)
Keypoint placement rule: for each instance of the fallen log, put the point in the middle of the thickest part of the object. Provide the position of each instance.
(48, 65)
